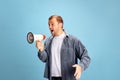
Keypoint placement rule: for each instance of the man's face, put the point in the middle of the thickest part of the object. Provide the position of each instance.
(54, 26)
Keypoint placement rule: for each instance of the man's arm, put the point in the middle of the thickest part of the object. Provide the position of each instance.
(41, 53)
(82, 54)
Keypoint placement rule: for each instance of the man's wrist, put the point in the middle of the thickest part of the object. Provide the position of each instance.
(41, 50)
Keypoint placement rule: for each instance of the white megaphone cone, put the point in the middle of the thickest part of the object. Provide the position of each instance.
(34, 37)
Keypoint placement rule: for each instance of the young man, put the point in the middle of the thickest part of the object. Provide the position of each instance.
(61, 51)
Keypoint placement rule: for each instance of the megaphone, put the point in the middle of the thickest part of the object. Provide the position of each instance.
(34, 37)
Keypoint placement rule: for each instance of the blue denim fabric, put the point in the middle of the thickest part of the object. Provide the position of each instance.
(72, 50)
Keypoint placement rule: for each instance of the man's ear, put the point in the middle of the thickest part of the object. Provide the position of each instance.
(60, 25)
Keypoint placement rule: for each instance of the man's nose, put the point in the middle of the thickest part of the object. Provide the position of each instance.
(50, 26)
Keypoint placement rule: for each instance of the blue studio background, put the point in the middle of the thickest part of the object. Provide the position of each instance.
(95, 22)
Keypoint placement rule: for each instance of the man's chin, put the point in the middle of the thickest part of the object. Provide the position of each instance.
(53, 34)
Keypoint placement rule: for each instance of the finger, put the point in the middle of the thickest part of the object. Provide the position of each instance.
(75, 74)
(74, 65)
(75, 70)
(38, 44)
(78, 76)
(37, 41)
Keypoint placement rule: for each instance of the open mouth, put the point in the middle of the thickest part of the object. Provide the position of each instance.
(51, 31)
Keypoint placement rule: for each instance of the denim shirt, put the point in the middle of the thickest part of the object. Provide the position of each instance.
(72, 50)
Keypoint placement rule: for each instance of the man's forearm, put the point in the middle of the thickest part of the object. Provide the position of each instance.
(42, 55)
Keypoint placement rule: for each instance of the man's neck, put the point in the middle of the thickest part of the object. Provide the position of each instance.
(60, 32)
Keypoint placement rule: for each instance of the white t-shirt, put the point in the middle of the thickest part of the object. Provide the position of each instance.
(56, 57)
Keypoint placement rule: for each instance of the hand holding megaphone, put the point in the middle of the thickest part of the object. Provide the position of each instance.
(35, 37)
(39, 45)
